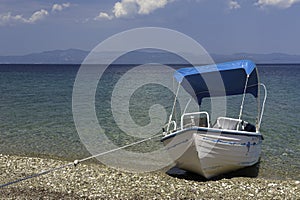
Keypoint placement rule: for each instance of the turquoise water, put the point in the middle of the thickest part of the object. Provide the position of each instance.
(36, 113)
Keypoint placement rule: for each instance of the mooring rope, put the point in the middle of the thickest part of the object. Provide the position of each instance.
(76, 162)
(36, 175)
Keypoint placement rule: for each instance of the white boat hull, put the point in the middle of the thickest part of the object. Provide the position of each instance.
(211, 152)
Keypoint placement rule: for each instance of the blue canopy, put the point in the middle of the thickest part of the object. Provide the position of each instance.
(219, 80)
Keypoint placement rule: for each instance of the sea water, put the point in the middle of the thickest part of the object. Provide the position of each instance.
(36, 113)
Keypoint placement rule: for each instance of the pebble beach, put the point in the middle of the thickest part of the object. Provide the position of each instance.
(96, 181)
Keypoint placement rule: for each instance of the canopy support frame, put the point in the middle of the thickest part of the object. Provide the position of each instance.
(243, 100)
(263, 106)
(173, 108)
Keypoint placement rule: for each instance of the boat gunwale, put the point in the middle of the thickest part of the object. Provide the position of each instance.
(216, 130)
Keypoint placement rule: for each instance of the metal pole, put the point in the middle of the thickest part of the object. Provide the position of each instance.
(244, 95)
(174, 104)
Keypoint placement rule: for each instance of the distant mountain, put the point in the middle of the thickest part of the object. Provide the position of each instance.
(70, 56)
(272, 58)
(76, 56)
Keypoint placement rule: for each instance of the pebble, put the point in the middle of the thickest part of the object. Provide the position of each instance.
(94, 181)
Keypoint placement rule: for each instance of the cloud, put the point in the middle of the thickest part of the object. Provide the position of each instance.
(103, 15)
(127, 8)
(234, 4)
(8, 18)
(36, 16)
(60, 7)
(277, 3)
(148, 6)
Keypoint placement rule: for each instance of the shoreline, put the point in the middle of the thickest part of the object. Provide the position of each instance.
(96, 181)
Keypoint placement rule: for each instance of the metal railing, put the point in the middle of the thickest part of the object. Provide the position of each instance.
(192, 115)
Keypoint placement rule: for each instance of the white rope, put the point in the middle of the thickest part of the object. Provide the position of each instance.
(36, 175)
(76, 162)
(113, 150)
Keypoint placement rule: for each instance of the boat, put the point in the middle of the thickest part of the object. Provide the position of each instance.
(210, 149)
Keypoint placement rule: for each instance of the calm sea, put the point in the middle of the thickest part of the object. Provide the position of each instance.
(36, 113)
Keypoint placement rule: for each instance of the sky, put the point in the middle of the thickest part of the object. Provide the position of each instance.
(220, 26)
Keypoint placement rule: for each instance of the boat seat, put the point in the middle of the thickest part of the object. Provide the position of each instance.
(192, 121)
(227, 123)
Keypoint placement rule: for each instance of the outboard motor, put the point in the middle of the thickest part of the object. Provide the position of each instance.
(248, 127)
